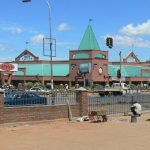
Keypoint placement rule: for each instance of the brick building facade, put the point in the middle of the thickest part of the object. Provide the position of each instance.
(89, 57)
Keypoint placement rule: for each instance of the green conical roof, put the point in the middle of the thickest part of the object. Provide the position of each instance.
(89, 41)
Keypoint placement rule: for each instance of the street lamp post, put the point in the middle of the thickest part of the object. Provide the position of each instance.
(50, 37)
(50, 45)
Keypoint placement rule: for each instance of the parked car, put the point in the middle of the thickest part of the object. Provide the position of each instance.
(38, 89)
(2, 90)
(24, 98)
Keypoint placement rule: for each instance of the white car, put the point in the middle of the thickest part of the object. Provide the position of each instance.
(2, 90)
(38, 89)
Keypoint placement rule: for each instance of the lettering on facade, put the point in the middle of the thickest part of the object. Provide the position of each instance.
(6, 67)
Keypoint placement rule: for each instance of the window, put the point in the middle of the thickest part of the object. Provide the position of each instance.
(73, 66)
(94, 66)
(105, 66)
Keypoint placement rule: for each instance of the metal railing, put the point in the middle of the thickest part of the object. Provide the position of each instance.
(61, 97)
(38, 98)
(118, 104)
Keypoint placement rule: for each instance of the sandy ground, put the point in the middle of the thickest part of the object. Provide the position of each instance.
(116, 134)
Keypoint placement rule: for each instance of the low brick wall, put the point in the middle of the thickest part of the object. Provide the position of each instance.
(24, 114)
(34, 113)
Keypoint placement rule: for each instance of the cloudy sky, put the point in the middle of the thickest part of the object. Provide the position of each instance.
(23, 26)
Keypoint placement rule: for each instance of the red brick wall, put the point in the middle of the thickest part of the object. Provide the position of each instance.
(83, 107)
(38, 113)
(30, 113)
(94, 75)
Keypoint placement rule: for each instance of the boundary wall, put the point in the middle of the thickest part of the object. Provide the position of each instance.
(38, 113)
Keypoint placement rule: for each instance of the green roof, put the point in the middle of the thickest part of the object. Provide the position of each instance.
(89, 41)
(44, 69)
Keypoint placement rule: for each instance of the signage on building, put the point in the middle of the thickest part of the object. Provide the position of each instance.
(84, 68)
(8, 67)
(117, 79)
(100, 70)
(27, 57)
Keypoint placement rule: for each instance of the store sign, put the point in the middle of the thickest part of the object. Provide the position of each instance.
(27, 57)
(117, 79)
(8, 67)
(84, 68)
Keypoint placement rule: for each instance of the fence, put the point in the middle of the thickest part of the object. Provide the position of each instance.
(16, 99)
(58, 105)
(118, 104)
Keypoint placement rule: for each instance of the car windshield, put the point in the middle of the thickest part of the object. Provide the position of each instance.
(125, 85)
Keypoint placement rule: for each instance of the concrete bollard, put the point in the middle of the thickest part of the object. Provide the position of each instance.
(133, 119)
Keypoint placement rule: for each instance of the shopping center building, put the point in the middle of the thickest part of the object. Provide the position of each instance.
(88, 64)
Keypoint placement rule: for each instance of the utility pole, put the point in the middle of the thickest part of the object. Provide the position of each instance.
(50, 43)
(120, 56)
(109, 43)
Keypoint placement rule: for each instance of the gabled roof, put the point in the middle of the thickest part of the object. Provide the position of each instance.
(133, 56)
(89, 41)
(26, 52)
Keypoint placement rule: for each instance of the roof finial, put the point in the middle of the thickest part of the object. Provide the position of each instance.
(90, 20)
(27, 45)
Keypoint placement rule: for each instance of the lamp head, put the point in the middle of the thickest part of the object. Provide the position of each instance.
(24, 1)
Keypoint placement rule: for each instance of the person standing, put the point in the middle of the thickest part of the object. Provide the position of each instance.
(136, 109)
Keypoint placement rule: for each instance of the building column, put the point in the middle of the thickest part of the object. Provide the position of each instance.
(70, 85)
(42, 81)
(142, 84)
(82, 97)
(91, 83)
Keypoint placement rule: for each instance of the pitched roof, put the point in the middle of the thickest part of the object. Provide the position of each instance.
(25, 52)
(133, 56)
(89, 41)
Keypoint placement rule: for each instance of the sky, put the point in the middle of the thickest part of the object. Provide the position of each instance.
(23, 26)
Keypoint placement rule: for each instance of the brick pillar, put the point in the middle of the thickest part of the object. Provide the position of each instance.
(82, 97)
(1, 107)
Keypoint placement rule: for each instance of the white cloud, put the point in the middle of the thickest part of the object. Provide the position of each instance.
(15, 30)
(6, 59)
(63, 27)
(37, 39)
(3, 48)
(127, 41)
(63, 43)
(12, 30)
(140, 29)
(67, 45)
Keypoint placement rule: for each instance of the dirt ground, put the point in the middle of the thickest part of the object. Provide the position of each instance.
(116, 134)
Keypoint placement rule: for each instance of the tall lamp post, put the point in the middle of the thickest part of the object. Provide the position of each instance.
(50, 44)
